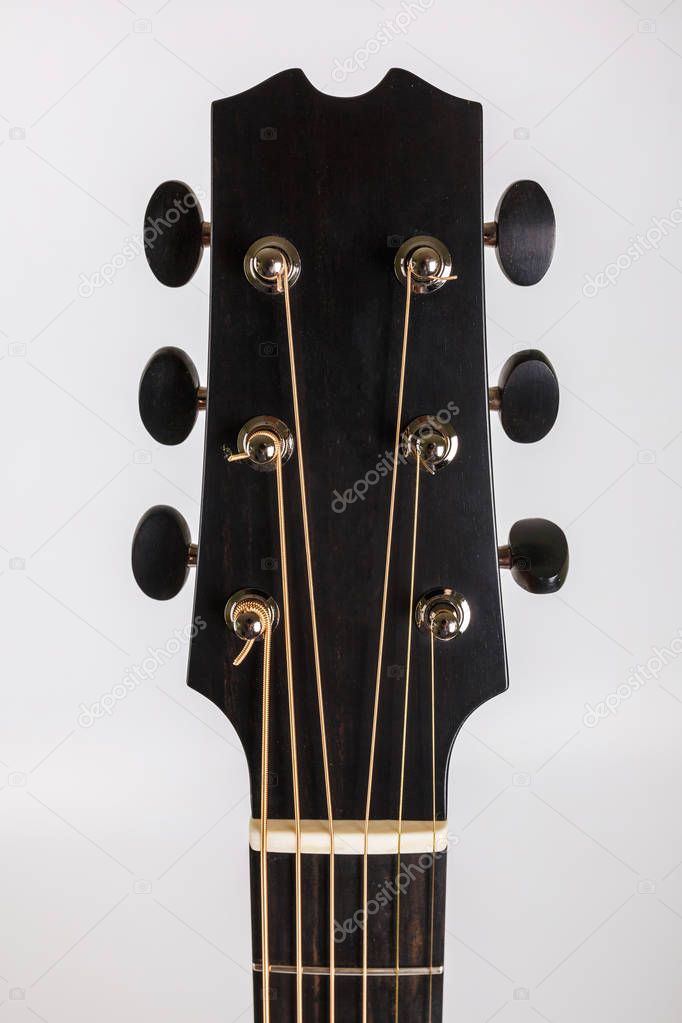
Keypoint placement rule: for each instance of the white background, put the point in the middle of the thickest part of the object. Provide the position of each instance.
(123, 854)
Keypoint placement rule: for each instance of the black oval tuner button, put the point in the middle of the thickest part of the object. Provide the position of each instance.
(169, 396)
(537, 555)
(162, 552)
(525, 233)
(527, 396)
(174, 233)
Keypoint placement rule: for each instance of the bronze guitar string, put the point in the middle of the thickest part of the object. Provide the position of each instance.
(286, 614)
(283, 287)
(257, 607)
(433, 809)
(284, 277)
(432, 909)
(408, 664)
(377, 684)
(299, 969)
(264, 749)
(264, 772)
(382, 630)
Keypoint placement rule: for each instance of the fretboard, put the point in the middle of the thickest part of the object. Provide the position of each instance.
(415, 895)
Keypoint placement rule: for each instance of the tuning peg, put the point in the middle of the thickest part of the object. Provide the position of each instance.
(527, 396)
(523, 233)
(175, 233)
(537, 555)
(162, 552)
(170, 396)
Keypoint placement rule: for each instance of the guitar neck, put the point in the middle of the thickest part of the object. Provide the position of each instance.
(405, 921)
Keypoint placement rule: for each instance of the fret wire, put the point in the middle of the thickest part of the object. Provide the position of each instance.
(313, 624)
(382, 629)
(353, 971)
(408, 664)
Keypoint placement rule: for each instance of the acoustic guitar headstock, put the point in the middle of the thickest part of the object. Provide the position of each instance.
(322, 208)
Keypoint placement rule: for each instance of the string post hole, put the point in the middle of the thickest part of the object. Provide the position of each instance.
(268, 261)
(261, 441)
(445, 614)
(433, 442)
(429, 263)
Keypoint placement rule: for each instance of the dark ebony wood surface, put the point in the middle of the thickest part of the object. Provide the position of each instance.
(529, 396)
(526, 233)
(539, 555)
(159, 553)
(167, 397)
(415, 935)
(173, 233)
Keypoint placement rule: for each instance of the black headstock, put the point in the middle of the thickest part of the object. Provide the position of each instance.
(355, 187)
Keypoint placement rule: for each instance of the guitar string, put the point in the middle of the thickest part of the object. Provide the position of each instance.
(292, 736)
(290, 688)
(316, 649)
(267, 636)
(382, 629)
(452, 277)
(264, 772)
(433, 810)
(408, 664)
(432, 909)
(292, 731)
(257, 608)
